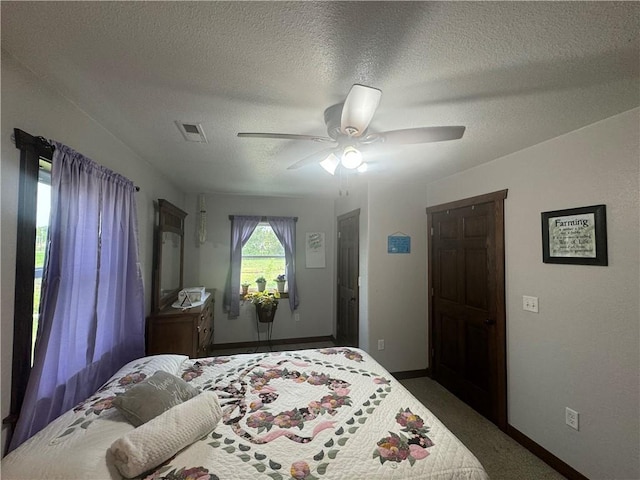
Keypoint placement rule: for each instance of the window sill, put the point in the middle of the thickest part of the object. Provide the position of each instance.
(282, 294)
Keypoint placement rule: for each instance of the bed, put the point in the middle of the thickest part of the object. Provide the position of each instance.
(330, 413)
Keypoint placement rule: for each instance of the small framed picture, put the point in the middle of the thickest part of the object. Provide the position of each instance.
(575, 236)
(398, 243)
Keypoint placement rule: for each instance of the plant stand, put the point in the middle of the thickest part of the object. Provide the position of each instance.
(265, 316)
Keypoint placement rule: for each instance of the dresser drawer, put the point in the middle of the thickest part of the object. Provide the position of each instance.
(204, 336)
(174, 334)
(188, 332)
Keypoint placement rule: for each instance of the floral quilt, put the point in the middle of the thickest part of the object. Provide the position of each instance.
(310, 414)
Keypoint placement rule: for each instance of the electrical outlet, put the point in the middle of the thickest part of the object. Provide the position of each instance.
(296, 317)
(530, 304)
(571, 418)
(380, 344)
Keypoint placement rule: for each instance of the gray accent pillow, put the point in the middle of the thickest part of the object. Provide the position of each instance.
(153, 396)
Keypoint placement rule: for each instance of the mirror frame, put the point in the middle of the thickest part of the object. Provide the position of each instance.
(170, 219)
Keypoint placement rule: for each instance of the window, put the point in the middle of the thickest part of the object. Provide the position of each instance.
(262, 256)
(92, 242)
(43, 208)
(242, 230)
(35, 168)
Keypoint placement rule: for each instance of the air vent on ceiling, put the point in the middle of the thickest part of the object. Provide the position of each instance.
(192, 132)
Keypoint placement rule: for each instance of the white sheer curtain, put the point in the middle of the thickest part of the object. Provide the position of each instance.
(92, 308)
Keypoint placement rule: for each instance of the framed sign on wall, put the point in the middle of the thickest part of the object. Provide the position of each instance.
(575, 236)
(399, 243)
(315, 249)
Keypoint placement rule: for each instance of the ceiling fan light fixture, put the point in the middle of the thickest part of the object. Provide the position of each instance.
(358, 109)
(351, 158)
(363, 168)
(330, 164)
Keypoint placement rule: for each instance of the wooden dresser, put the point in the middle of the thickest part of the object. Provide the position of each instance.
(187, 332)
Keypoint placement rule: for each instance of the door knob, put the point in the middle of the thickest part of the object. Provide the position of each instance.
(489, 321)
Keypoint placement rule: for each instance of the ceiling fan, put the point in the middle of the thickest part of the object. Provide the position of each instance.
(347, 129)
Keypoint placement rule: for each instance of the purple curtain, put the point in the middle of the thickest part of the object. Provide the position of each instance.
(285, 230)
(241, 229)
(92, 307)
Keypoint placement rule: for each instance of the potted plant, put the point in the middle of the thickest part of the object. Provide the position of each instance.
(266, 304)
(261, 282)
(245, 288)
(281, 280)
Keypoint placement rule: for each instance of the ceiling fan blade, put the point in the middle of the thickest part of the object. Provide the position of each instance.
(358, 109)
(313, 158)
(420, 135)
(286, 136)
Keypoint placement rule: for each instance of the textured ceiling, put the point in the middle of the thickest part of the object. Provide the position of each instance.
(514, 73)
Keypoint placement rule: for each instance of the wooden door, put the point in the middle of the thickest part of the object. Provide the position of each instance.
(467, 319)
(347, 330)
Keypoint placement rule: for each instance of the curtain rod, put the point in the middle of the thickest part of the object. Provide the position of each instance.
(262, 219)
(46, 145)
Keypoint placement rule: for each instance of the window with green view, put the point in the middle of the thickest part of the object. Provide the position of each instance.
(262, 256)
(42, 227)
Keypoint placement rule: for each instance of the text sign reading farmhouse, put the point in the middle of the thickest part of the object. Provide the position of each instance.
(573, 236)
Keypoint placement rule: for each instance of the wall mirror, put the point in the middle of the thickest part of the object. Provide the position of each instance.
(168, 255)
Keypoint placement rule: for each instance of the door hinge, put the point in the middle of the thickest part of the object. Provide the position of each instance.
(432, 231)
(339, 234)
(432, 291)
(433, 352)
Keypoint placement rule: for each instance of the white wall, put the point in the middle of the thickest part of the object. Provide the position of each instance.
(582, 349)
(28, 104)
(398, 282)
(208, 264)
(393, 303)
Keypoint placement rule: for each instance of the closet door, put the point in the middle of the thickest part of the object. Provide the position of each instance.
(467, 321)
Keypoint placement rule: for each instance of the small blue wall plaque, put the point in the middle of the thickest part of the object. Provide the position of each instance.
(398, 243)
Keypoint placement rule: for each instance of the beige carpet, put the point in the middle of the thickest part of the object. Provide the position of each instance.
(502, 457)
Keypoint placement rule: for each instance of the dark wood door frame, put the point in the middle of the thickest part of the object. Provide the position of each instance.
(497, 198)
